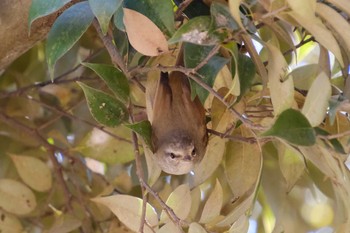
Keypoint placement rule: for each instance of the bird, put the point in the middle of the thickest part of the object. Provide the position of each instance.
(179, 133)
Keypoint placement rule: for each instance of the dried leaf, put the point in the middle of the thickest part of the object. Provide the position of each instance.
(16, 198)
(65, 223)
(9, 223)
(143, 34)
(241, 225)
(180, 201)
(196, 228)
(169, 227)
(318, 95)
(281, 91)
(213, 205)
(128, 209)
(35, 173)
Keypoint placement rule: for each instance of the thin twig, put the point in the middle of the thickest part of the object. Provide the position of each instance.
(205, 60)
(334, 136)
(107, 40)
(182, 7)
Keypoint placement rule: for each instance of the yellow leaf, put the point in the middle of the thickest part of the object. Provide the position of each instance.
(336, 21)
(320, 32)
(213, 205)
(241, 225)
(35, 173)
(305, 8)
(235, 12)
(342, 4)
(169, 227)
(316, 102)
(9, 223)
(143, 34)
(196, 228)
(180, 201)
(281, 91)
(16, 198)
(128, 209)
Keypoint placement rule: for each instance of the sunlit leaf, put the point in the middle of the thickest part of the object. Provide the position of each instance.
(294, 127)
(281, 91)
(103, 10)
(318, 95)
(241, 225)
(160, 12)
(144, 129)
(303, 76)
(235, 12)
(114, 78)
(213, 205)
(153, 169)
(35, 173)
(103, 107)
(16, 198)
(243, 164)
(210, 161)
(66, 31)
(196, 203)
(193, 56)
(342, 4)
(9, 223)
(106, 148)
(143, 34)
(169, 227)
(195, 31)
(40, 8)
(180, 201)
(128, 209)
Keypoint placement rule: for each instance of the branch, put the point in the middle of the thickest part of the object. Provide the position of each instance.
(50, 148)
(107, 40)
(182, 7)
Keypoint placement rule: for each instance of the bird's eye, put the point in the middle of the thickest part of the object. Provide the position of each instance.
(172, 155)
(193, 153)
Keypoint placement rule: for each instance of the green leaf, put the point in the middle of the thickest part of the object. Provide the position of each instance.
(118, 18)
(246, 72)
(40, 8)
(103, 10)
(196, 30)
(222, 16)
(66, 31)
(103, 107)
(114, 78)
(160, 12)
(193, 56)
(144, 129)
(337, 146)
(293, 126)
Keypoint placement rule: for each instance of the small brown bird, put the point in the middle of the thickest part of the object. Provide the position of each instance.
(179, 133)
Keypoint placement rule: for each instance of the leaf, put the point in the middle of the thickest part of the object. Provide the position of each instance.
(294, 127)
(104, 10)
(180, 201)
(213, 205)
(342, 4)
(144, 129)
(241, 225)
(222, 16)
(196, 31)
(35, 173)
(160, 12)
(103, 107)
(9, 223)
(114, 78)
(196, 228)
(193, 56)
(66, 31)
(336, 21)
(320, 32)
(153, 169)
(16, 198)
(106, 148)
(210, 161)
(128, 209)
(143, 34)
(40, 8)
(281, 91)
(235, 12)
(65, 223)
(318, 95)
(243, 163)
(303, 76)
(169, 227)
(291, 163)
(118, 18)
(246, 73)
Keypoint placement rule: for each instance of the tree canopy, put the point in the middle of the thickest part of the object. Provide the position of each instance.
(76, 81)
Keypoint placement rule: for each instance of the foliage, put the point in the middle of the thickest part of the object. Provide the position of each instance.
(75, 143)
